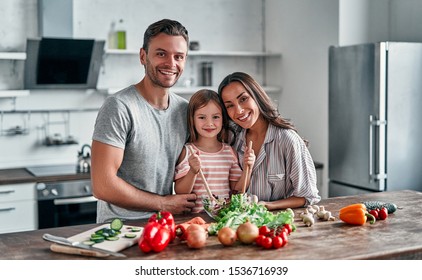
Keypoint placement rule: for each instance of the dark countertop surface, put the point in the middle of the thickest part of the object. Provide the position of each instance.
(397, 237)
(21, 175)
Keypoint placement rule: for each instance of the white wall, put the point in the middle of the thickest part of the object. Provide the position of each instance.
(302, 31)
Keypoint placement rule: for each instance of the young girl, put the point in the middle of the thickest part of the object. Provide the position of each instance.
(216, 159)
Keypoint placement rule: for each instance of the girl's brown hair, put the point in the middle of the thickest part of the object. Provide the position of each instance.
(198, 100)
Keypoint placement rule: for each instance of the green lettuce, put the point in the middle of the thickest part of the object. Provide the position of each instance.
(242, 209)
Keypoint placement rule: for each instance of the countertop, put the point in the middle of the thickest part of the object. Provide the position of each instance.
(397, 237)
(21, 175)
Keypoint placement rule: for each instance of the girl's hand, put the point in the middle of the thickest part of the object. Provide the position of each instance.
(194, 163)
(249, 158)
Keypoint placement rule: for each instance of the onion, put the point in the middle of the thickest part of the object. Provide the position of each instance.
(247, 232)
(227, 236)
(196, 236)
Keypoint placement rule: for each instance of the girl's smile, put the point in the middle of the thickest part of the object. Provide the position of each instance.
(208, 120)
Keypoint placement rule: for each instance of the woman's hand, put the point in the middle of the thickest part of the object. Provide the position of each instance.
(249, 158)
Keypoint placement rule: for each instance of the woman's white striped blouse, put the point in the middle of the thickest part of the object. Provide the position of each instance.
(283, 167)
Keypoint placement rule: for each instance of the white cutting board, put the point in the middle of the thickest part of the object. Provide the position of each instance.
(115, 246)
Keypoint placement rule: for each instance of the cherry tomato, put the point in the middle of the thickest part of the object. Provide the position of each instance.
(264, 230)
(277, 242)
(383, 213)
(267, 242)
(374, 212)
(283, 235)
(288, 227)
(259, 239)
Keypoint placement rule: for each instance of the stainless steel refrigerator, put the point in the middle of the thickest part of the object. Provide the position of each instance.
(375, 118)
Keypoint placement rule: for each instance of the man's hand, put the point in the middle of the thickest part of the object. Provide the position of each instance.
(178, 203)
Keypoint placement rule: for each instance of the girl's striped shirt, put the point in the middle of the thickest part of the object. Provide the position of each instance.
(219, 168)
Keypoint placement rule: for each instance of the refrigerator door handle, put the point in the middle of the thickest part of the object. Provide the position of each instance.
(372, 124)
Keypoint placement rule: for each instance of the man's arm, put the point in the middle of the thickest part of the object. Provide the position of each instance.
(107, 186)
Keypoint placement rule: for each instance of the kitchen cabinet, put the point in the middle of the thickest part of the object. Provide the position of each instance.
(16, 56)
(220, 59)
(18, 207)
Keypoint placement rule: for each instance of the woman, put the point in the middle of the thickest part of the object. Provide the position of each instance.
(284, 173)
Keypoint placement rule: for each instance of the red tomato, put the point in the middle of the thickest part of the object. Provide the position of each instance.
(277, 242)
(259, 239)
(374, 212)
(264, 230)
(288, 227)
(383, 213)
(267, 242)
(283, 235)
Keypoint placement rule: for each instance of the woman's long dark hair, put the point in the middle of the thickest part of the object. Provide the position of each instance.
(266, 107)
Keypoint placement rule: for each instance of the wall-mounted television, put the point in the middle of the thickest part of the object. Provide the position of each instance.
(63, 63)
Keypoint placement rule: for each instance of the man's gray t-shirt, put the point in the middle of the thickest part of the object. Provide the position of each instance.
(152, 140)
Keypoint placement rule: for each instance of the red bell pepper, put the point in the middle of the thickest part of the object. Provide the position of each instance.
(155, 237)
(165, 219)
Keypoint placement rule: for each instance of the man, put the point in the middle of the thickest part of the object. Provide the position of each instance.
(140, 132)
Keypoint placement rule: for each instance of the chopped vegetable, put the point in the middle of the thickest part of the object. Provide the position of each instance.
(116, 224)
(355, 214)
(130, 235)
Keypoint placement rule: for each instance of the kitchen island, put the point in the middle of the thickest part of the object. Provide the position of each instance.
(397, 237)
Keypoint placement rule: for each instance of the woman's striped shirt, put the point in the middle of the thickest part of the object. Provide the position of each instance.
(219, 168)
(283, 167)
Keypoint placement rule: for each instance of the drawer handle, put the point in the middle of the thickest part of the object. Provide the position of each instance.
(77, 200)
(7, 192)
(7, 209)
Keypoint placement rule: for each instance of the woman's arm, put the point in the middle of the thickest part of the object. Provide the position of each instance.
(290, 202)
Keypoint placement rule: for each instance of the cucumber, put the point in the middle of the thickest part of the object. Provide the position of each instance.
(88, 242)
(130, 235)
(116, 224)
(112, 238)
(97, 239)
(374, 204)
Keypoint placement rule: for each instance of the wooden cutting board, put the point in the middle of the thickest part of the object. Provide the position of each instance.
(115, 246)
